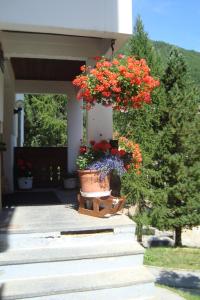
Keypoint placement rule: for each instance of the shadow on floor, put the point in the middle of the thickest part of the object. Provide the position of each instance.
(30, 198)
(179, 280)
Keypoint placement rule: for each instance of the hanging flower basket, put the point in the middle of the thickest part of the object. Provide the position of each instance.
(122, 84)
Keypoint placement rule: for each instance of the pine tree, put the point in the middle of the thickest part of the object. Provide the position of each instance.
(176, 202)
(141, 126)
(45, 120)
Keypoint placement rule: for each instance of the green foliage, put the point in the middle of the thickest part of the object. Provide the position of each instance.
(45, 120)
(142, 126)
(140, 46)
(192, 59)
(167, 190)
(176, 258)
(83, 161)
(176, 203)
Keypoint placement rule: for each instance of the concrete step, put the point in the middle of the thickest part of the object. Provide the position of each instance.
(35, 248)
(33, 240)
(122, 293)
(51, 218)
(69, 252)
(75, 267)
(124, 283)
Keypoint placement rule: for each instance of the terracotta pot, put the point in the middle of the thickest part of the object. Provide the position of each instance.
(89, 181)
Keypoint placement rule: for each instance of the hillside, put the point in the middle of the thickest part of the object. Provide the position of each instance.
(192, 58)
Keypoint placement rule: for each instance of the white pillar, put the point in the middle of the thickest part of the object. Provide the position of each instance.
(99, 123)
(9, 130)
(74, 127)
(99, 120)
(20, 119)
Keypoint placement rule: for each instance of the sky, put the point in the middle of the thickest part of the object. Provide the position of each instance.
(173, 21)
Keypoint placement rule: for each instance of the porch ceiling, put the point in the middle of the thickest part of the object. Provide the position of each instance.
(45, 69)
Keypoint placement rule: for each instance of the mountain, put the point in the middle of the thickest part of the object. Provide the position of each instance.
(192, 58)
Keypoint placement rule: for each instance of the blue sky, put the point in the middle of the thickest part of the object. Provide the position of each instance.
(173, 21)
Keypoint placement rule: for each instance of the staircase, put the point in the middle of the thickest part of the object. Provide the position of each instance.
(103, 263)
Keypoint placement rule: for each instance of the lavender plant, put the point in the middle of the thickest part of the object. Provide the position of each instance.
(107, 164)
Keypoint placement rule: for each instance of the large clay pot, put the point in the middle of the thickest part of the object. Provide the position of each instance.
(90, 182)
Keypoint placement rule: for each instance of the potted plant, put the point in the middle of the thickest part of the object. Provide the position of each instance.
(98, 160)
(70, 181)
(24, 174)
(123, 83)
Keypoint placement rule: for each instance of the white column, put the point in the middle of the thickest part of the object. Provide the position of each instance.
(74, 127)
(9, 130)
(99, 123)
(99, 120)
(20, 119)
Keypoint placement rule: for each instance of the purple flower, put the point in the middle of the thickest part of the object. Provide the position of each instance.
(107, 164)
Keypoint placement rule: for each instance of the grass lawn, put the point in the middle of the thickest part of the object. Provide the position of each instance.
(185, 295)
(177, 258)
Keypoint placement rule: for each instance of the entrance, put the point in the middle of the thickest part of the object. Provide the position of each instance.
(49, 165)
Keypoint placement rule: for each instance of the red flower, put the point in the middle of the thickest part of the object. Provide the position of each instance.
(122, 152)
(82, 149)
(114, 151)
(125, 81)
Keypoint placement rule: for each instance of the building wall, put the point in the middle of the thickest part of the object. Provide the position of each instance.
(1, 124)
(1, 99)
(88, 18)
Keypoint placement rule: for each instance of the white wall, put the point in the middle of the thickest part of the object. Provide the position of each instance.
(101, 18)
(35, 45)
(1, 121)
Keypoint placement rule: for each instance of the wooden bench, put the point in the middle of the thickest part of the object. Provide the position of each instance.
(99, 204)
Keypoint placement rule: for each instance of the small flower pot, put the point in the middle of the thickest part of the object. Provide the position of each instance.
(25, 183)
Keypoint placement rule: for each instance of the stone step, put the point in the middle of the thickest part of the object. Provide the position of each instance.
(76, 267)
(35, 248)
(127, 283)
(52, 218)
(52, 253)
(33, 240)
(122, 293)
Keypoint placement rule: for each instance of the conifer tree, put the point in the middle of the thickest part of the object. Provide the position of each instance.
(141, 126)
(176, 202)
(45, 120)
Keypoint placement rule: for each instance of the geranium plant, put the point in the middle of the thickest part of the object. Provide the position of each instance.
(123, 83)
(24, 168)
(103, 157)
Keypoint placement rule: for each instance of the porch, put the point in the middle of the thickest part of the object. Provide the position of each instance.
(55, 211)
(52, 252)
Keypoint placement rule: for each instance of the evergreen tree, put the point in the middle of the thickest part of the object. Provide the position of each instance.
(176, 202)
(45, 120)
(141, 126)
